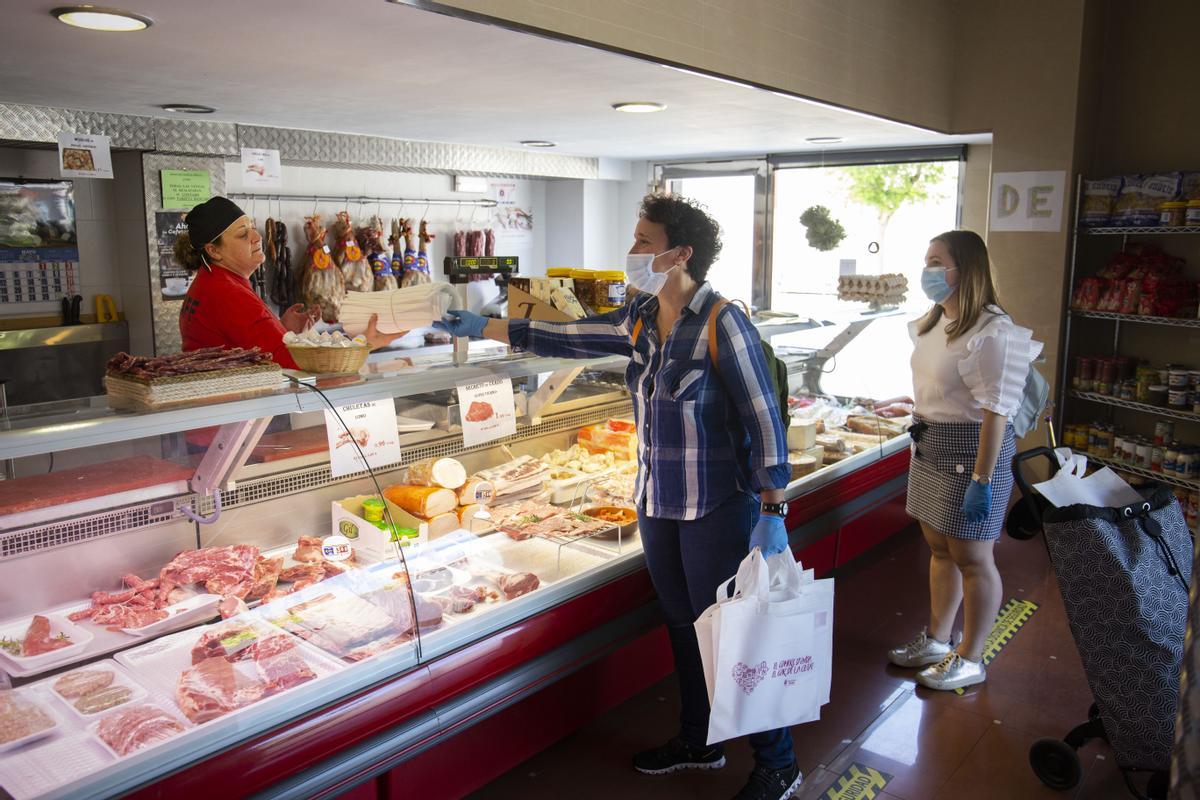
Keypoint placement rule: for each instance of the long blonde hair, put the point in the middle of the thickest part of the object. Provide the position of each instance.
(975, 288)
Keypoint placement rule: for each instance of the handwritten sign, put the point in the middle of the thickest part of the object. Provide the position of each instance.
(487, 411)
(361, 430)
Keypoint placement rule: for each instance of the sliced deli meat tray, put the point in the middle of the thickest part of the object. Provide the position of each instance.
(136, 726)
(222, 668)
(94, 690)
(25, 717)
(33, 644)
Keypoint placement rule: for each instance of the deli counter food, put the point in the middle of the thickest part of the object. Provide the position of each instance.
(180, 580)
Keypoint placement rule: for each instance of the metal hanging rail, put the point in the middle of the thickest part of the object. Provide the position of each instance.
(321, 198)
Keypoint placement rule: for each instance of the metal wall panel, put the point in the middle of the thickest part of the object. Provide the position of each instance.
(194, 136)
(318, 148)
(166, 312)
(24, 123)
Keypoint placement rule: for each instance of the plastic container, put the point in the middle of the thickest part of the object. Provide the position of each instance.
(1145, 454)
(1193, 213)
(166, 734)
(1157, 395)
(1172, 214)
(1179, 398)
(609, 290)
(1164, 431)
(373, 509)
(27, 698)
(585, 286)
(1178, 378)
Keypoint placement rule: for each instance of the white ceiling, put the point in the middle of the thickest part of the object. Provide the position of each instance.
(370, 67)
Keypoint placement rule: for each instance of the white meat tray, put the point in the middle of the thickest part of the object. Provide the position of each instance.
(158, 664)
(24, 666)
(94, 729)
(120, 678)
(33, 771)
(25, 742)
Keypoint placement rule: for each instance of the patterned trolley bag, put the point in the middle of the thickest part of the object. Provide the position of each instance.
(1123, 574)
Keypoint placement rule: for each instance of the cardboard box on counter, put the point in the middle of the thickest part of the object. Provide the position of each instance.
(363, 535)
(522, 305)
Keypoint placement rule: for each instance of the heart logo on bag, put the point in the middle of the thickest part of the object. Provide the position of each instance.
(749, 677)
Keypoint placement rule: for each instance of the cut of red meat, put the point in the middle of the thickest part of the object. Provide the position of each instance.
(308, 550)
(517, 584)
(110, 598)
(82, 614)
(133, 728)
(222, 570)
(266, 575)
(38, 640)
(227, 641)
(117, 617)
(215, 687)
(279, 663)
(303, 572)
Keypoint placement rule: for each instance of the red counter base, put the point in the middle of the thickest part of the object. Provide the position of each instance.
(584, 688)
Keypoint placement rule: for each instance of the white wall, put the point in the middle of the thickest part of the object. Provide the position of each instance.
(590, 223)
(97, 224)
(564, 222)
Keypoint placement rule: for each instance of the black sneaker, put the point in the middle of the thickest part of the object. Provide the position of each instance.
(771, 784)
(676, 755)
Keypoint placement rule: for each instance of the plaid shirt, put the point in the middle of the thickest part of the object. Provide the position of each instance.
(697, 428)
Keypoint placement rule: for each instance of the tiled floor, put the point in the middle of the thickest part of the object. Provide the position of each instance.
(933, 745)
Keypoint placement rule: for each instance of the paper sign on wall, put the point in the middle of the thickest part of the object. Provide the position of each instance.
(369, 427)
(261, 169)
(487, 411)
(82, 155)
(185, 188)
(1028, 201)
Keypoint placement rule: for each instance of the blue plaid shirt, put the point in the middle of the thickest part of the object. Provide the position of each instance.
(701, 435)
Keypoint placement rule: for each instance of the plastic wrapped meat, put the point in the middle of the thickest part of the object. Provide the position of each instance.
(216, 686)
(133, 728)
(339, 623)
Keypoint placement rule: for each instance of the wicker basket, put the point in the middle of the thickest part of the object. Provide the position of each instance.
(330, 360)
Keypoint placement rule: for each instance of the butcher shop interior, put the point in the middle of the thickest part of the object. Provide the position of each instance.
(372, 559)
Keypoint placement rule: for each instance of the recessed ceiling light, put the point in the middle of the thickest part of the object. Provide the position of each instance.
(823, 139)
(639, 107)
(536, 143)
(187, 108)
(99, 18)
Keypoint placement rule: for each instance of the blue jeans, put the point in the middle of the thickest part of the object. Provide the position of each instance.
(688, 560)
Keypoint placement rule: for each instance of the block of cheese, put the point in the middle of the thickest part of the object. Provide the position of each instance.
(802, 434)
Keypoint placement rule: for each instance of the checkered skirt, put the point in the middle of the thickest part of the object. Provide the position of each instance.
(940, 471)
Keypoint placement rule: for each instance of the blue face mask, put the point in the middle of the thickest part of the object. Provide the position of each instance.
(934, 284)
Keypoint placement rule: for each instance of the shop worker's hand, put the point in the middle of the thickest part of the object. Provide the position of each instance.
(977, 502)
(375, 339)
(769, 535)
(463, 323)
(298, 319)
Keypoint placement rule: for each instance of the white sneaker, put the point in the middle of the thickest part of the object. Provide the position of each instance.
(920, 652)
(952, 672)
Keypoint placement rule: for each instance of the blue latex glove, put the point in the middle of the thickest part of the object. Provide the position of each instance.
(769, 535)
(463, 323)
(977, 502)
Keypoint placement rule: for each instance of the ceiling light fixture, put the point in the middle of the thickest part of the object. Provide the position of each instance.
(537, 143)
(824, 139)
(187, 108)
(639, 107)
(99, 18)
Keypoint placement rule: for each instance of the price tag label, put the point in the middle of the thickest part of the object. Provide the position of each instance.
(359, 431)
(487, 411)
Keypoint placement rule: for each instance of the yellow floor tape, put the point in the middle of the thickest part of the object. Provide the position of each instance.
(1010, 619)
(858, 782)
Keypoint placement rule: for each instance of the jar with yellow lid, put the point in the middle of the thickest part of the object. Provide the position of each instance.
(1193, 212)
(1172, 214)
(561, 277)
(609, 290)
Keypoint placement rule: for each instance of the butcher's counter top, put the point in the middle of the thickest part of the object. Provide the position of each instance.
(89, 422)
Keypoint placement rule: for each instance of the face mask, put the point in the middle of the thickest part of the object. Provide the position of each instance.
(933, 283)
(639, 271)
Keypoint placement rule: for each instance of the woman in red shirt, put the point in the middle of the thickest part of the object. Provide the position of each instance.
(222, 247)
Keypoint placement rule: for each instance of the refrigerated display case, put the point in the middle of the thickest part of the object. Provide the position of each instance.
(336, 670)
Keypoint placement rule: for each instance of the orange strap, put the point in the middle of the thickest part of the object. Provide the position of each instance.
(712, 329)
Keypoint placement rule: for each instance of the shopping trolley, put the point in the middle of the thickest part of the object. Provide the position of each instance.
(1123, 573)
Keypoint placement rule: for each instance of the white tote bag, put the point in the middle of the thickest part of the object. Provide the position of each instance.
(767, 650)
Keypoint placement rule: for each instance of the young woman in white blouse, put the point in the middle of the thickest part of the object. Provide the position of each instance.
(969, 367)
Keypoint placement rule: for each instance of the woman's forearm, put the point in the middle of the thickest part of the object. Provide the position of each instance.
(991, 439)
(497, 329)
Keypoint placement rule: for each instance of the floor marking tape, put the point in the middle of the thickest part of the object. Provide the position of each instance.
(1010, 619)
(858, 782)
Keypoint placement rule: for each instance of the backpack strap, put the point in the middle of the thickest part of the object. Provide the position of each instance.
(712, 328)
(637, 329)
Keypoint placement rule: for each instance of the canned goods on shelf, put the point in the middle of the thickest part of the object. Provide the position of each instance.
(1164, 431)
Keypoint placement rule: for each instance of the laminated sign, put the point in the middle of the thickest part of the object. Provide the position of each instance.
(359, 430)
(487, 411)
(82, 155)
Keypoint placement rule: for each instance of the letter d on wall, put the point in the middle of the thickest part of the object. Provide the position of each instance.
(1028, 201)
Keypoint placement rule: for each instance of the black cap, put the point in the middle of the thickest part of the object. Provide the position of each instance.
(209, 220)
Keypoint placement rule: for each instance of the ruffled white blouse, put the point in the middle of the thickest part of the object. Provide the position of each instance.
(983, 369)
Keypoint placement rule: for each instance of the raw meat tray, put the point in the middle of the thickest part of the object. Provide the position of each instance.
(159, 664)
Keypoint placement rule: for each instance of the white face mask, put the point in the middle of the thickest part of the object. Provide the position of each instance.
(639, 271)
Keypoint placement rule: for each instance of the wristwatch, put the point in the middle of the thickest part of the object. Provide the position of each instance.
(982, 480)
(778, 509)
